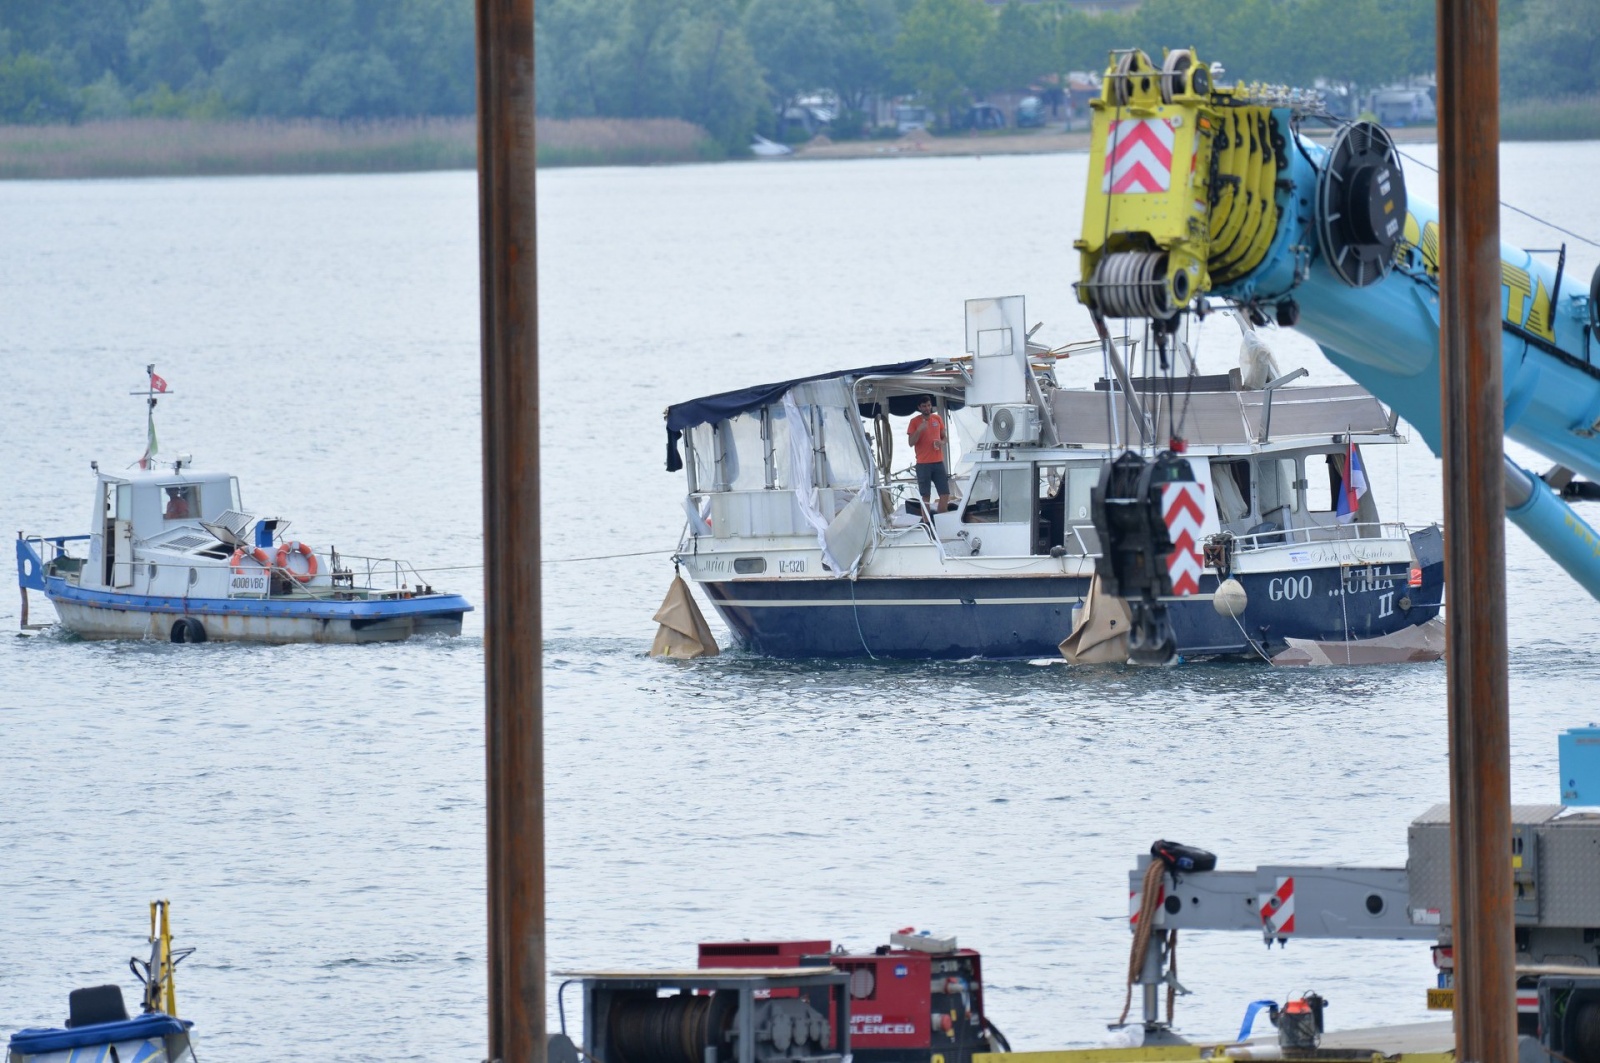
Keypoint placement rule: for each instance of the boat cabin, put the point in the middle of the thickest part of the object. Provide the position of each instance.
(168, 509)
(794, 462)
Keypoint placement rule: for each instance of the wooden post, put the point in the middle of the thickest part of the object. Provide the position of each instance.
(512, 624)
(1473, 408)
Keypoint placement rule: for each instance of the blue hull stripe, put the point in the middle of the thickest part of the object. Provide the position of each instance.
(59, 590)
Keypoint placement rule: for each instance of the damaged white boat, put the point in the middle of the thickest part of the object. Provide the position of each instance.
(810, 540)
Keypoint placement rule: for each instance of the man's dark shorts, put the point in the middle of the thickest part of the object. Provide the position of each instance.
(932, 473)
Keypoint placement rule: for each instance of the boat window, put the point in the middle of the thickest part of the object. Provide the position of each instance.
(233, 491)
(124, 510)
(1001, 495)
(742, 459)
(702, 456)
(1276, 497)
(1322, 481)
(844, 448)
(1231, 480)
(1081, 479)
(180, 502)
(778, 442)
(1049, 526)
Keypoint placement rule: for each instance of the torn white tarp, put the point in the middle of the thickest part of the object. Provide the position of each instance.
(843, 536)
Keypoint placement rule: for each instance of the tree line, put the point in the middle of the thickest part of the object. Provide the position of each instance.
(730, 66)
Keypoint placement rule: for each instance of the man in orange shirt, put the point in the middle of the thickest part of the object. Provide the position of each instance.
(928, 438)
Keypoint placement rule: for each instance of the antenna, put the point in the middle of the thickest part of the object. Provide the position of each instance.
(154, 386)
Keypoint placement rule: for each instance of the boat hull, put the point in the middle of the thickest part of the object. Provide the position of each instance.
(100, 615)
(1012, 617)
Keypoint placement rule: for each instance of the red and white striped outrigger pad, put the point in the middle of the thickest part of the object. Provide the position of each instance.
(1183, 509)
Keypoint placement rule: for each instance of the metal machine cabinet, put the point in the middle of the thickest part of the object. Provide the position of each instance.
(1570, 868)
(1555, 864)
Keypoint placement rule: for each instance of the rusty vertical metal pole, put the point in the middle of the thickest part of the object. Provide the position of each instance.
(1469, 358)
(512, 631)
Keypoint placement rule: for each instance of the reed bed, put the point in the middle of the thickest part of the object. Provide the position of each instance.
(151, 147)
(1562, 118)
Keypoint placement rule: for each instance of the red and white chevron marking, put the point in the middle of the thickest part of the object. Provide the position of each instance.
(1277, 909)
(1138, 156)
(1183, 508)
(1134, 899)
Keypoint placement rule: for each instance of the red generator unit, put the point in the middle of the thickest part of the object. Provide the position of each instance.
(918, 999)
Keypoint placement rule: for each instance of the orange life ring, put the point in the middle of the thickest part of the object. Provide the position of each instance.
(258, 555)
(285, 549)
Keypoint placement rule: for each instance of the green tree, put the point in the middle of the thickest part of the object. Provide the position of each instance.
(633, 73)
(1016, 52)
(938, 48)
(1346, 41)
(795, 41)
(342, 58)
(170, 43)
(1553, 49)
(867, 31)
(1084, 42)
(721, 88)
(32, 93)
(571, 49)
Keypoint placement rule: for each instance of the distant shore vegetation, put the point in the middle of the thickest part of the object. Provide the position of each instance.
(282, 85)
(157, 147)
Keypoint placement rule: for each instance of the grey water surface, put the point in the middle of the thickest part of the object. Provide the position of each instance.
(315, 814)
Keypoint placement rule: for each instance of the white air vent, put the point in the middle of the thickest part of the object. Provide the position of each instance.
(1014, 425)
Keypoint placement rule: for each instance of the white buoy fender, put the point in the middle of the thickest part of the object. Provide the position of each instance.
(1231, 598)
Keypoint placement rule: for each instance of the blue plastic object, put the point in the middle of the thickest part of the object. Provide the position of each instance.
(30, 566)
(155, 1024)
(1250, 1014)
(1580, 765)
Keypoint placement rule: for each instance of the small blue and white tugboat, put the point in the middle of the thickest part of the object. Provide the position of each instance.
(173, 554)
(98, 1029)
(810, 539)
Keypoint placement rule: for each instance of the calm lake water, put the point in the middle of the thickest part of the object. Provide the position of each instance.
(315, 813)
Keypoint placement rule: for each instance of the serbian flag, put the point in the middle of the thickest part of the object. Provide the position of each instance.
(1355, 485)
(157, 384)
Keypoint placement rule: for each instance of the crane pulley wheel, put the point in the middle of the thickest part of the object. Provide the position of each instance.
(1361, 204)
(1175, 75)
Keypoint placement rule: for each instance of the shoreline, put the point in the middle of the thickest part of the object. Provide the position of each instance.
(1040, 142)
(133, 148)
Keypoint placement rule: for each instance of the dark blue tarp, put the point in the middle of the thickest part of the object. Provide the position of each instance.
(712, 408)
(155, 1024)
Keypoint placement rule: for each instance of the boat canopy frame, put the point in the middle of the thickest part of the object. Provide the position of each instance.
(729, 404)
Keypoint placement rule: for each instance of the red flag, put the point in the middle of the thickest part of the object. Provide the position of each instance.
(157, 384)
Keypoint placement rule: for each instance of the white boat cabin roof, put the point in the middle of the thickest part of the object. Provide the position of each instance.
(171, 496)
(1286, 416)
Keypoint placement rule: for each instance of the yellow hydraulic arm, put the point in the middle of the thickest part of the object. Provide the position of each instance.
(160, 992)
